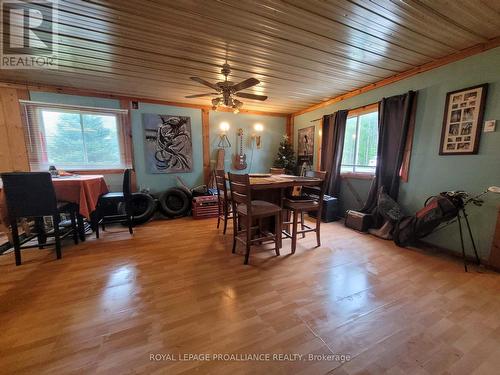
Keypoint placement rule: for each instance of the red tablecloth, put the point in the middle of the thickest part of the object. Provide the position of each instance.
(83, 190)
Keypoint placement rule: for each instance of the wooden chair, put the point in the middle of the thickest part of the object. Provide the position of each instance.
(311, 200)
(246, 211)
(277, 171)
(224, 196)
(32, 195)
(124, 196)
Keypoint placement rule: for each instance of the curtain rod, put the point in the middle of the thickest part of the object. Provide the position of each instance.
(352, 109)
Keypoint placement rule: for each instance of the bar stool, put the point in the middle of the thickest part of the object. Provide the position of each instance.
(224, 199)
(246, 210)
(310, 200)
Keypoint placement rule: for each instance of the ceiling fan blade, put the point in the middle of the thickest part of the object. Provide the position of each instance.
(206, 83)
(201, 95)
(251, 96)
(245, 84)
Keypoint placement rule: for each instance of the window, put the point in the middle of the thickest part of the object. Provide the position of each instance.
(76, 138)
(360, 143)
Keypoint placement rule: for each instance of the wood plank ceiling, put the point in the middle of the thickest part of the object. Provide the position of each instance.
(303, 52)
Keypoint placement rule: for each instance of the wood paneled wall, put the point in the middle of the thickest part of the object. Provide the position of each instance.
(13, 155)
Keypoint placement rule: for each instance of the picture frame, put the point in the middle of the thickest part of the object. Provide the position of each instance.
(462, 121)
(306, 141)
(168, 144)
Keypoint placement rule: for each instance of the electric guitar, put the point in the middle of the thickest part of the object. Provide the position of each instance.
(240, 160)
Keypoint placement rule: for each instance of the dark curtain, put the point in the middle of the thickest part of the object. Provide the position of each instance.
(395, 116)
(332, 146)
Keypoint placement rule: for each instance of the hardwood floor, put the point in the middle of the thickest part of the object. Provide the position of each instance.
(174, 288)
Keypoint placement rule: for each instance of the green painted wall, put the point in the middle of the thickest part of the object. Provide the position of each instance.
(259, 160)
(161, 182)
(431, 173)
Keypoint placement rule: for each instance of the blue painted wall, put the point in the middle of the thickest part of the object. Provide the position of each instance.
(431, 173)
(161, 182)
(259, 160)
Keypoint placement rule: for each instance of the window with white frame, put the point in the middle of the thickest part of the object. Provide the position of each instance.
(360, 143)
(76, 138)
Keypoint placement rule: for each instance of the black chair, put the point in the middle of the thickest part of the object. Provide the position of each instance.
(32, 195)
(124, 197)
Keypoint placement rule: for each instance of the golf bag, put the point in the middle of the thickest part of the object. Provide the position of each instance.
(437, 210)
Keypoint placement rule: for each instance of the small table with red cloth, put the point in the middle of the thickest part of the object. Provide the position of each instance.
(83, 190)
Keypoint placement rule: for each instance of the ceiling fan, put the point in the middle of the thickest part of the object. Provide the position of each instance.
(226, 90)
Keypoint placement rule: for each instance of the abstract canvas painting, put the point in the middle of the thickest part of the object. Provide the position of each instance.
(168, 143)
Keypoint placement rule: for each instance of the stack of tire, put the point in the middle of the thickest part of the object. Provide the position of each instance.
(175, 202)
(143, 208)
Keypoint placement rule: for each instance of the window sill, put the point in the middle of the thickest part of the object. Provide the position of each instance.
(358, 176)
(96, 171)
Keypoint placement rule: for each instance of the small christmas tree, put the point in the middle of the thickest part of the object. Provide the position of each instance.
(286, 156)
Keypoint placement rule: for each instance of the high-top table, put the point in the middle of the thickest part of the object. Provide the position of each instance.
(271, 188)
(280, 181)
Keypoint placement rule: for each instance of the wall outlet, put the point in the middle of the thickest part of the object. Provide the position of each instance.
(489, 126)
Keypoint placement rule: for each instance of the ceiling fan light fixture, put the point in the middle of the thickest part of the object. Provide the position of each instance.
(227, 90)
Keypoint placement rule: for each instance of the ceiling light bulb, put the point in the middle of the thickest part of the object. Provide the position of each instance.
(236, 111)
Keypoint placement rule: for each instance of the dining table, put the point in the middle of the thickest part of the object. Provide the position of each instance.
(83, 190)
(265, 181)
(273, 187)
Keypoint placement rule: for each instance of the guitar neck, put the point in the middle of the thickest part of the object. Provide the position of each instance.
(241, 141)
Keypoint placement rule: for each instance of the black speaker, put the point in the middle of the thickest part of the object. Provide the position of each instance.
(330, 209)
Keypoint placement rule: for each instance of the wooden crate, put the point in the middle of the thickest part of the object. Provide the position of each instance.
(205, 207)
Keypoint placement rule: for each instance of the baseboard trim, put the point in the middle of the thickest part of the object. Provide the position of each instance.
(424, 245)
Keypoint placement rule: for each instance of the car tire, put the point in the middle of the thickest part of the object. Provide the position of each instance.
(143, 208)
(174, 202)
